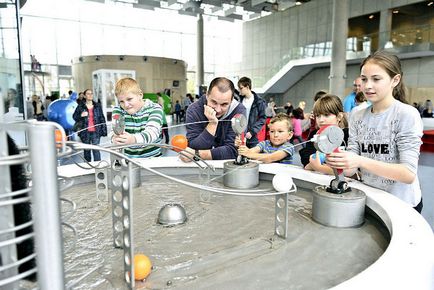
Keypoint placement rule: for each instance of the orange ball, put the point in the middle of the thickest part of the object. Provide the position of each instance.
(142, 266)
(59, 137)
(179, 141)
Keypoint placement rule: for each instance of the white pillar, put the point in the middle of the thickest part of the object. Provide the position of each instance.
(339, 44)
(200, 65)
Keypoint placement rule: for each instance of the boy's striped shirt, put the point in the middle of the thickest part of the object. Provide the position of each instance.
(146, 126)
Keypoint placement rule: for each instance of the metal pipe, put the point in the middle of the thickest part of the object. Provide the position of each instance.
(47, 224)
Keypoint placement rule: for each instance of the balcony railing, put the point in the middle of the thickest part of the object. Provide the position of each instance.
(357, 47)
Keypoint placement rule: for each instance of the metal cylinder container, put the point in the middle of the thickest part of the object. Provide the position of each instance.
(338, 210)
(136, 179)
(241, 176)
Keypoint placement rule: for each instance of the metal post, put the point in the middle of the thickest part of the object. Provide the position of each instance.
(47, 224)
(281, 215)
(7, 253)
(127, 218)
(101, 181)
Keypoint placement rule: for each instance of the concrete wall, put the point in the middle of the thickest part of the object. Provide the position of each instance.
(267, 40)
(154, 75)
(418, 78)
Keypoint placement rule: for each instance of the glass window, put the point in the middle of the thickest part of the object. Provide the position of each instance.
(10, 72)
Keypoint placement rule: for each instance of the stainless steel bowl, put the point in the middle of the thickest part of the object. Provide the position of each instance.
(172, 214)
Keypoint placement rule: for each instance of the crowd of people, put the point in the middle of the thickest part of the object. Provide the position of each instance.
(382, 132)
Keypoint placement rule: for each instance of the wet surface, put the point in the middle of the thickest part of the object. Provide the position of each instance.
(227, 243)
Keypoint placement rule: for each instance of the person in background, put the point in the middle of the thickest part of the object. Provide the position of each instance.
(300, 110)
(186, 101)
(289, 108)
(277, 149)
(350, 100)
(11, 99)
(209, 131)
(81, 98)
(90, 114)
(428, 111)
(47, 102)
(255, 111)
(143, 120)
(38, 108)
(388, 159)
(178, 111)
(297, 116)
(165, 128)
(361, 102)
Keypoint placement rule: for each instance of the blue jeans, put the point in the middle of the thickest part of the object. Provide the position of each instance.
(91, 138)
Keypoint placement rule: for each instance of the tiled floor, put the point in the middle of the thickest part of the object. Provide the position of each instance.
(426, 174)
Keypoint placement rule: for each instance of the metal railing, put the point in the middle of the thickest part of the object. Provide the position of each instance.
(357, 47)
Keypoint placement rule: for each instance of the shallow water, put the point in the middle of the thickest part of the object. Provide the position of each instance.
(227, 243)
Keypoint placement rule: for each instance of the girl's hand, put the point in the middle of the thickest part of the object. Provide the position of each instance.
(84, 114)
(124, 138)
(315, 163)
(248, 135)
(344, 160)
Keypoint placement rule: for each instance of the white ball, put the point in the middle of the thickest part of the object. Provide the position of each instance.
(282, 182)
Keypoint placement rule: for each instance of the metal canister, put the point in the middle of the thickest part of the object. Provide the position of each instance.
(241, 176)
(338, 210)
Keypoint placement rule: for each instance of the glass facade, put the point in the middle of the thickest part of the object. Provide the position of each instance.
(67, 29)
(10, 63)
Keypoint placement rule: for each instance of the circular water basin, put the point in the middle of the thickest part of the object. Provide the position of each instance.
(226, 243)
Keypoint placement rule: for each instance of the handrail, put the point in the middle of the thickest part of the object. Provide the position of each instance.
(397, 37)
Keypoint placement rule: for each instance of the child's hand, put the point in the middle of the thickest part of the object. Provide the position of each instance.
(243, 150)
(124, 138)
(315, 163)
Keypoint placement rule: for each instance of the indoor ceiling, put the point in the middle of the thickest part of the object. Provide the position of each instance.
(223, 9)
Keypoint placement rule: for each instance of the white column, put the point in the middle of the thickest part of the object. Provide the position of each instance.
(339, 43)
(200, 65)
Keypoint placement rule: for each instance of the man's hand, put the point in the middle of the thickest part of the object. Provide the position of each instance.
(210, 114)
(187, 152)
(124, 138)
